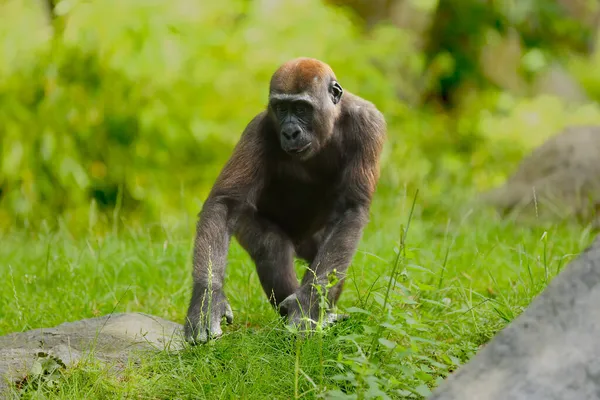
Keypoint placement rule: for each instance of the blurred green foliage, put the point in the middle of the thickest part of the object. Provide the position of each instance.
(133, 107)
(461, 28)
(134, 100)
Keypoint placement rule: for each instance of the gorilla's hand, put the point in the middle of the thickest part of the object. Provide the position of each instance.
(304, 314)
(204, 318)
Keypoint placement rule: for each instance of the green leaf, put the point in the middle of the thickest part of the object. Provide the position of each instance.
(425, 377)
(36, 369)
(423, 390)
(358, 310)
(387, 343)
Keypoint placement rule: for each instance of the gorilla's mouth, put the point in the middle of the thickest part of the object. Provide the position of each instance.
(300, 150)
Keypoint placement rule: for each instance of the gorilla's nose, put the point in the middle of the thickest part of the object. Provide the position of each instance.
(290, 132)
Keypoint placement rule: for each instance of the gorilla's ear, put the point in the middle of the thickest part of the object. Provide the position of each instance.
(336, 92)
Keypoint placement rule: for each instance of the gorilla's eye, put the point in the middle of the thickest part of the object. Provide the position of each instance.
(279, 108)
(300, 109)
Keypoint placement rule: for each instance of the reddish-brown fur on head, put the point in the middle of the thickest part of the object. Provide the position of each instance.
(299, 75)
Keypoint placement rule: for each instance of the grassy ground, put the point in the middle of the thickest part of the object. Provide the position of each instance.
(459, 278)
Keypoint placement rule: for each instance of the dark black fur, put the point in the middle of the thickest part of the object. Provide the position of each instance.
(280, 204)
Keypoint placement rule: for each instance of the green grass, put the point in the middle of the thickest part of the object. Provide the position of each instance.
(459, 277)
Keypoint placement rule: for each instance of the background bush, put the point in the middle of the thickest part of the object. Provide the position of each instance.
(133, 107)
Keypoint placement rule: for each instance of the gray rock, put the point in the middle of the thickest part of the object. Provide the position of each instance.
(110, 338)
(551, 351)
(557, 81)
(558, 180)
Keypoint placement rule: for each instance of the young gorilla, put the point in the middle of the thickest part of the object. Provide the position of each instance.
(299, 182)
